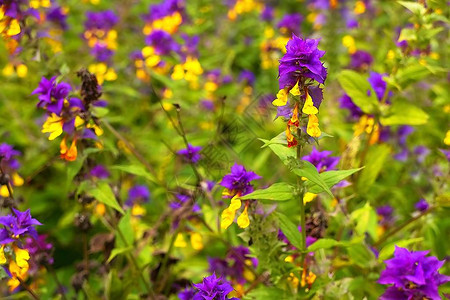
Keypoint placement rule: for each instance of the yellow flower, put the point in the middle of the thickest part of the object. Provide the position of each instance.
(447, 138)
(295, 90)
(54, 126)
(243, 221)
(227, 218)
(2, 255)
(21, 70)
(196, 241)
(308, 197)
(309, 107)
(179, 241)
(282, 97)
(14, 28)
(69, 154)
(137, 210)
(17, 180)
(313, 126)
(349, 42)
(360, 8)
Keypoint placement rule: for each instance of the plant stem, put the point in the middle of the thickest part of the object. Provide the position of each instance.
(300, 188)
(29, 290)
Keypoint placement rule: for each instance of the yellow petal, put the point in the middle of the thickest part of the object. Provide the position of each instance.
(14, 28)
(22, 257)
(243, 221)
(281, 98)
(235, 204)
(227, 218)
(22, 70)
(8, 70)
(179, 241)
(196, 241)
(4, 192)
(17, 180)
(309, 107)
(138, 210)
(295, 90)
(313, 126)
(308, 197)
(2, 255)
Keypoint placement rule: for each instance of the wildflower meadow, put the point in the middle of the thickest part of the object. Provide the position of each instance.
(224, 149)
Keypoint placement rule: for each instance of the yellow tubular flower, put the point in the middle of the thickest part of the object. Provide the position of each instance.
(179, 241)
(196, 241)
(309, 107)
(14, 28)
(308, 197)
(54, 126)
(227, 218)
(282, 97)
(2, 255)
(243, 221)
(447, 138)
(22, 257)
(313, 126)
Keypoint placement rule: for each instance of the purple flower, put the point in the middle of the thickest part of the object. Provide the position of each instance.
(385, 213)
(191, 153)
(421, 152)
(302, 59)
(213, 287)
(138, 193)
(190, 46)
(186, 294)
(16, 225)
(56, 15)
(267, 13)
(446, 153)
(360, 60)
(101, 52)
(284, 111)
(290, 24)
(7, 154)
(180, 200)
(247, 77)
(40, 252)
(104, 20)
(403, 132)
(238, 181)
(162, 42)
(412, 275)
(322, 160)
(52, 94)
(378, 84)
(347, 103)
(100, 172)
(422, 205)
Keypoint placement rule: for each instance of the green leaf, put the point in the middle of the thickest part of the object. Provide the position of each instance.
(360, 255)
(117, 251)
(135, 170)
(404, 113)
(309, 171)
(388, 250)
(330, 178)
(356, 86)
(324, 244)
(73, 168)
(99, 111)
(414, 7)
(105, 195)
(366, 220)
(408, 75)
(276, 192)
(279, 139)
(283, 152)
(375, 159)
(264, 292)
(125, 232)
(290, 231)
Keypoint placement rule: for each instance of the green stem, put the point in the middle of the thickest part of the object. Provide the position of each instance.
(300, 188)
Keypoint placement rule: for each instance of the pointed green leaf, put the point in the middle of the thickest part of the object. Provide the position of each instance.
(309, 171)
(323, 244)
(403, 113)
(330, 178)
(105, 195)
(375, 159)
(366, 220)
(290, 231)
(276, 192)
(135, 170)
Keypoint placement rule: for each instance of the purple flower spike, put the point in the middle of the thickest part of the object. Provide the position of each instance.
(16, 225)
(302, 59)
(238, 181)
(412, 275)
(213, 287)
(422, 205)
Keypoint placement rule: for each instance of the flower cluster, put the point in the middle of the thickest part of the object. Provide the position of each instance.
(67, 115)
(212, 287)
(237, 184)
(101, 39)
(238, 7)
(412, 275)
(299, 68)
(137, 195)
(16, 227)
(191, 154)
